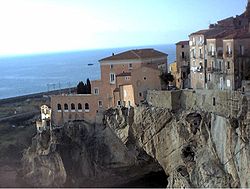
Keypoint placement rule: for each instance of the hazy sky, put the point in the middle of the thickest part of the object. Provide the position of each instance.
(34, 26)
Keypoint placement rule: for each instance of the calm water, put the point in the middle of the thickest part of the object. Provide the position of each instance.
(37, 73)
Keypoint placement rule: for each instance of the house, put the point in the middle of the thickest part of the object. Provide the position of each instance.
(125, 79)
(219, 56)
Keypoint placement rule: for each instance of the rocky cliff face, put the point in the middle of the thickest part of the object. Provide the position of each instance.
(83, 155)
(195, 149)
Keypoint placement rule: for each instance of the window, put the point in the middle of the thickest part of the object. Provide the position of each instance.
(209, 77)
(228, 65)
(214, 101)
(79, 107)
(182, 46)
(96, 91)
(86, 107)
(241, 50)
(129, 103)
(140, 94)
(112, 78)
(59, 107)
(130, 66)
(127, 78)
(145, 78)
(111, 66)
(118, 103)
(182, 55)
(72, 107)
(66, 107)
(100, 103)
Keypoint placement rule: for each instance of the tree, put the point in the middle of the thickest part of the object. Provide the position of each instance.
(88, 87)
(80, 88)
(166, 78)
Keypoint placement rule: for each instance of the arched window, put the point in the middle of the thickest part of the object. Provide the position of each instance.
(86, 107)
(59, 107)
(72, 107)
(66, 107)
(79, 107)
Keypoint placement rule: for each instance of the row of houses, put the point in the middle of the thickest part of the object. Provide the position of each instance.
(217, 57)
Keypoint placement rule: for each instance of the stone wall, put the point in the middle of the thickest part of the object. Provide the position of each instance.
(224, 103)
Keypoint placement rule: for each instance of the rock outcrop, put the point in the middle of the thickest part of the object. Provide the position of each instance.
(83, 155)
(194, 148)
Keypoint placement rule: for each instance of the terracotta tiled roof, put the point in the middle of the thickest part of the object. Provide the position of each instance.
(124, 74)
(183, 43)
(136, 54)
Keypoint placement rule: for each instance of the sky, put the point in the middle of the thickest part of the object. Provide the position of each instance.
(40, 26)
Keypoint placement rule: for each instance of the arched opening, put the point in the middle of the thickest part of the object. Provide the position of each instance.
(72, 107)
(86, 107)
(66, 107)
(79, 106)
(59, 107)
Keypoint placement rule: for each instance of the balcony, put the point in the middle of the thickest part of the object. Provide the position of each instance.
(211, 53)
(214, 70)
(229, 54)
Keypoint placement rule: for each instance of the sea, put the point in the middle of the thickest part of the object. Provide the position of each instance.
(27, 74)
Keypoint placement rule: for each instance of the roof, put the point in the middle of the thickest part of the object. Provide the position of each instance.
(221, 34)
(209, 32)
(136, 54)
(239, 34)
(123, 74)
(183, 43)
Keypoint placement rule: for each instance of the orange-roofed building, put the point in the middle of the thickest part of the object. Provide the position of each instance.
(125, 79)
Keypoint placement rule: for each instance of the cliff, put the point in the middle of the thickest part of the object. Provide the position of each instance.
(83, 155)
(194, 148)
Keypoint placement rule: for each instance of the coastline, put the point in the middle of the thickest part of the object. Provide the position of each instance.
(35, 95)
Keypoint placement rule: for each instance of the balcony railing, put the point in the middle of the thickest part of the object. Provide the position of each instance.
(211, 53)
(229, 54)
(214, 70)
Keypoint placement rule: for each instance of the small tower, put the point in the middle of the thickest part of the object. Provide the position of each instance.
(45, 121)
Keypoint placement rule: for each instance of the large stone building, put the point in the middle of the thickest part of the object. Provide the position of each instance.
(125, 79)
(219, 56)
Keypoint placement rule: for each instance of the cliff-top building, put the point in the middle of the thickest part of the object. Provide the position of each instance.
(125, 79)
(220, 55)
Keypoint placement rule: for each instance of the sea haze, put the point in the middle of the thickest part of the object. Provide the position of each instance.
(23, 75)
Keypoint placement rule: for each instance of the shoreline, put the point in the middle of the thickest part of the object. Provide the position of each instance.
(35, 95)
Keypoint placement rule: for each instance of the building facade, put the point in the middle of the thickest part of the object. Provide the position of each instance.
(125, 79)
(219, 56)
(183, 64)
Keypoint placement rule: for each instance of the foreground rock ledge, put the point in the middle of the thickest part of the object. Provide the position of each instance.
(194, 148)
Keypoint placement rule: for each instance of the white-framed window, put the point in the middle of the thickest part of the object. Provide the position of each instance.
(112, 78)
(130, 66)
(100, 104)
(96, 91)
